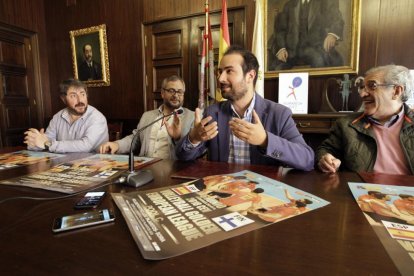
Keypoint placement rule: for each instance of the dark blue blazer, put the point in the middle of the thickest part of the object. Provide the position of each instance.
(286, 145)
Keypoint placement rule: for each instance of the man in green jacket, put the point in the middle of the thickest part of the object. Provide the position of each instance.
(381, 139)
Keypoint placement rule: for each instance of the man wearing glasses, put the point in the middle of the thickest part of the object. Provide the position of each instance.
(381, 138)
(159, 139)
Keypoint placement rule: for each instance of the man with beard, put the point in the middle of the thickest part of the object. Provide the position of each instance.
(89, 69)
(159, 139)
(380, 139)
(77, 128)
(246, 128)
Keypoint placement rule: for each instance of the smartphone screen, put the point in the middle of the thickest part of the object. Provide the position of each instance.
(82, 220)
(90, 200)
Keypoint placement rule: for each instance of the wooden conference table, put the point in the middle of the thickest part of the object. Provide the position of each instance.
(333, 240)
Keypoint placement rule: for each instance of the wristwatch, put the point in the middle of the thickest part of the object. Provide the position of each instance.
(47, 145)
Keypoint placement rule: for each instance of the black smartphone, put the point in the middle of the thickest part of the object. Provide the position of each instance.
(76, 221)
(90, 200)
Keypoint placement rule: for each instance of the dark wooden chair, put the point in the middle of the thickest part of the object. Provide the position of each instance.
(115, 130)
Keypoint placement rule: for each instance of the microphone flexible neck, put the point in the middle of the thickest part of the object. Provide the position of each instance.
(132, 148)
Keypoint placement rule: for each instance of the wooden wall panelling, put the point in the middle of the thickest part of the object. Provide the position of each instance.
(19, 94)
(30, 16)
(124, 98)
(396, 35)
(166, 54)
(159, 10)
(368, 49)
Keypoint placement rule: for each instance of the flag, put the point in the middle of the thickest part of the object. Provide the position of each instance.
(211, 78)
(224, 41)
(201, 97)
(258, 46)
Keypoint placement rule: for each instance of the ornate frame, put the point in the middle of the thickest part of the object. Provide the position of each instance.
(348, 46)
(96, 37)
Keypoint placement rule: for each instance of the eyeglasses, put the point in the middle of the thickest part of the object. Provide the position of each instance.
(372, 86)
(172, 91)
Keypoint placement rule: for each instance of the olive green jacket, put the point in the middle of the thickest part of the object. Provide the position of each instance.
(352, 140)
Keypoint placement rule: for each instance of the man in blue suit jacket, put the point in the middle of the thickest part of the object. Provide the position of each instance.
(247, 128)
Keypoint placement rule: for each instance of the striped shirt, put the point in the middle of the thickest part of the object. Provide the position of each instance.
(240, 150)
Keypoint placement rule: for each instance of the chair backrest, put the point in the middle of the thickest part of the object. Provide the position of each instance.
(115, 130)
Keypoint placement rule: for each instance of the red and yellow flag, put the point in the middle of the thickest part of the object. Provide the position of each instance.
(224, 42)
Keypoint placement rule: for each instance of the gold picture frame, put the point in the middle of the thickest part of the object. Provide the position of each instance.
(282, 33)
(90, 56)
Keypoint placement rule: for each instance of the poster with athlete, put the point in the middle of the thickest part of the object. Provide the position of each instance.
(80, 174)
(390, 211)
(293, 91)
(170, 221)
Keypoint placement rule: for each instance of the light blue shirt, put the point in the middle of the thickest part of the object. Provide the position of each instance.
(85, 134)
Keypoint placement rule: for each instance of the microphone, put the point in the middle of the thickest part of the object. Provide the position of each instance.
(139, 178)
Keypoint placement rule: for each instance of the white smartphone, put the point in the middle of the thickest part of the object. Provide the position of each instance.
(80, 220)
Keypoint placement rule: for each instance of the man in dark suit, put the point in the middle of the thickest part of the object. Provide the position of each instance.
(306, 32)
(89, 69)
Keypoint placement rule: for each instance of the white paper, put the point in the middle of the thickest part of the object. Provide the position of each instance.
(293, 91)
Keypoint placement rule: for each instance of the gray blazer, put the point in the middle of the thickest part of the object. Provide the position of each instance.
(187, 119)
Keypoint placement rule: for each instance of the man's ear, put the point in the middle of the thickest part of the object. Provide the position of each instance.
(398, 92)
(251, 75)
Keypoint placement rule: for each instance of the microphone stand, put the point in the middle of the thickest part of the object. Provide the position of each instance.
(138, 178)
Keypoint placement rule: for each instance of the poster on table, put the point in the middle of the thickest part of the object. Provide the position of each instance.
(170, 221)
(390, 211)
(80, 174)
(25, 157)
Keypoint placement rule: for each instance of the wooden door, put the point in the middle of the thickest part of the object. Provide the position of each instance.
(18, 92)
(166, 53)
(174, 47)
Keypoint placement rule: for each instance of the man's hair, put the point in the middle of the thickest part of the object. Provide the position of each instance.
(249, 59)
(303, 203)
(398, 75)
(377, 194)
(64, 85)
(84, 46)
(172, 78)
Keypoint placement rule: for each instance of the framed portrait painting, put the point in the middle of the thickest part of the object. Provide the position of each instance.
(317, 36)
(90, 55)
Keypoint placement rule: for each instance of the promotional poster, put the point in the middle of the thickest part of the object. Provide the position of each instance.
(78, 175)
(173, 220)
(293, 91)
(24, 157)
(390, 211)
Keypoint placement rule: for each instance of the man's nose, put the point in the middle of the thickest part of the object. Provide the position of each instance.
(363, 92)
(221, 77)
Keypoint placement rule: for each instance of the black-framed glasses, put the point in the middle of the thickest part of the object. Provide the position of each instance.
(172, 91)
(372, 86)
